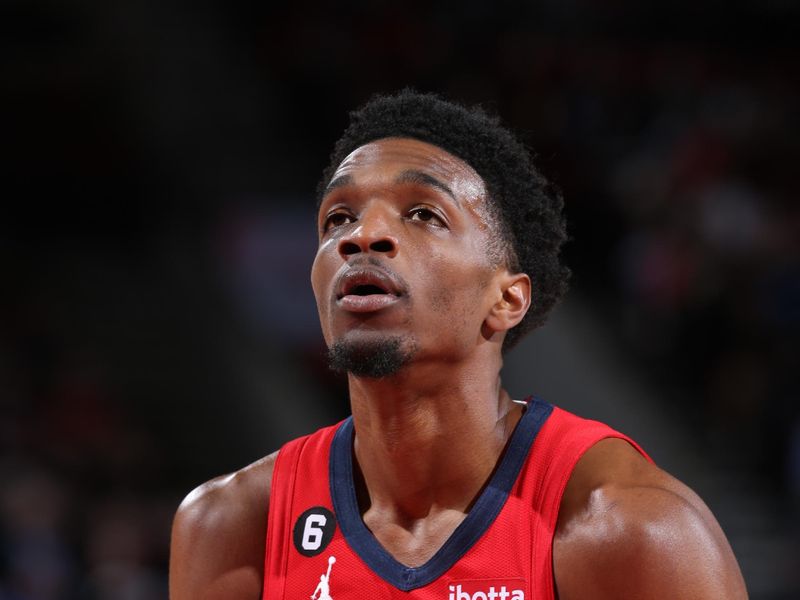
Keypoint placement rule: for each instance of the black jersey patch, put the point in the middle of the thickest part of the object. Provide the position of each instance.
(313, 530)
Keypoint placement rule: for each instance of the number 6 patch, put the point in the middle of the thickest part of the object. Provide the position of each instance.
(313, 530)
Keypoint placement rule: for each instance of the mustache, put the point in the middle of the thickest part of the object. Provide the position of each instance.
(370, 260)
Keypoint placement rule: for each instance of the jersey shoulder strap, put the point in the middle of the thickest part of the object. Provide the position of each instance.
(313, 452)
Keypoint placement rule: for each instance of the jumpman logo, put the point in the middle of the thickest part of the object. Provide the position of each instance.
(323, 591)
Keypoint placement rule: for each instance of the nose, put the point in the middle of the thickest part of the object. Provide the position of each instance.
(371, 234)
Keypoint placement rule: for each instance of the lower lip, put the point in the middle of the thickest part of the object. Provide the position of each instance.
(363, 304)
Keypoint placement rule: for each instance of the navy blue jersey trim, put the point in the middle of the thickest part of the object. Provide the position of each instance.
(474, 525)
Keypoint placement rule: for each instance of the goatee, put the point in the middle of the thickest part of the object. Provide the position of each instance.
(372, 358)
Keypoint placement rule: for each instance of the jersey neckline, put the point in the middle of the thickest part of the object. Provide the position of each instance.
(483, 513)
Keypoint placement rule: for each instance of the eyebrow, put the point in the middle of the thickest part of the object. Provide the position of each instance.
(421, 178)
(340, 181)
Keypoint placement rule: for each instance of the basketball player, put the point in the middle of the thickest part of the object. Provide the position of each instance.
(438, 248)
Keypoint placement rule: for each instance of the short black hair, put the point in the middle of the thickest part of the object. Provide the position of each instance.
(528, 208)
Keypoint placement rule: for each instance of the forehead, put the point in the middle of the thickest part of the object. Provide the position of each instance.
(390, 156)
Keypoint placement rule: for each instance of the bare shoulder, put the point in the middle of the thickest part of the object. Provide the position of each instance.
(627, 529)
(218, 536)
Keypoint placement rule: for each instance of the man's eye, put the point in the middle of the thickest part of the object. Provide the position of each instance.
(337, 219)
(426, 215)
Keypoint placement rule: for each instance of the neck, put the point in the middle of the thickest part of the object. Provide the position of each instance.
(428, 438)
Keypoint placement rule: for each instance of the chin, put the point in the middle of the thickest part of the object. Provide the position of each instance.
(371, 356)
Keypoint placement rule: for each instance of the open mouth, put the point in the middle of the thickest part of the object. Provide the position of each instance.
(366, 290)
(367, 282)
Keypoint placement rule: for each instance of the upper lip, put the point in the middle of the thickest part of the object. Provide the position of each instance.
(367, 276)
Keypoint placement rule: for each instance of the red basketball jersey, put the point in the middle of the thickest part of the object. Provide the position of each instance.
(319, 548)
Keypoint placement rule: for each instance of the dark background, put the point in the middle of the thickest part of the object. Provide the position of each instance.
(159, 161)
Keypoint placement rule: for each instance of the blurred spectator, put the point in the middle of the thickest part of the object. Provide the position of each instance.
(37, 559)
(122, 551)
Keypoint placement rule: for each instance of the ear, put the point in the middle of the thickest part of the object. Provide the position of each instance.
(514, 301)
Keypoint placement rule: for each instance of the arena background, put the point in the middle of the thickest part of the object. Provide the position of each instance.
(156, 323)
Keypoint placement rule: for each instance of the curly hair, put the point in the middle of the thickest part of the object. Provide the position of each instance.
(526, 208)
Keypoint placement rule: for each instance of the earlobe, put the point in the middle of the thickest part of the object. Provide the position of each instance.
(513, 304)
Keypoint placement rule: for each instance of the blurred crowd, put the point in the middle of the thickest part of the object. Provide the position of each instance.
(709, 267)
(84, 509)
(676, 155)
(678, 168)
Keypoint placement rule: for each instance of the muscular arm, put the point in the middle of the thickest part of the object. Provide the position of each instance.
(628, 530)
(218, 537)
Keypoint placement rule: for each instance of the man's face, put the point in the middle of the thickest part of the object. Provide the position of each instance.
(402, 261)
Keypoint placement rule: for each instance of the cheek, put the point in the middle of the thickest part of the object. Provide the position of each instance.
(457, 288)
(320, 278)
(322, 271)
(315, 276)
(316, 288)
